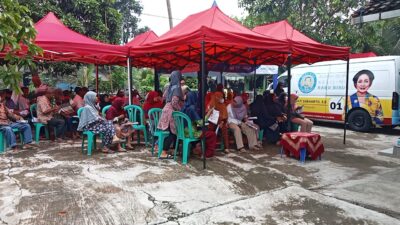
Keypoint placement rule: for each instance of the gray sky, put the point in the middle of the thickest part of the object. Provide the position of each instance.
(155, 14)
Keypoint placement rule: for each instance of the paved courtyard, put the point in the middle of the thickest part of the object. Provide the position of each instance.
(57, 184)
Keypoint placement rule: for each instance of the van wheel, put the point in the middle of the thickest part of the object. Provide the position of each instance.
(360, 120)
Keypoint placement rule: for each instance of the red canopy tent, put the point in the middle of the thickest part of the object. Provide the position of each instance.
(306, 50)
(362, 55)
(226, 41)
(302, 48)
(59, 43)
(143, 39)
(63, 44)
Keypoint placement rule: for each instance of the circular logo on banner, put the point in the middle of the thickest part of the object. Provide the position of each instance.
(307, 82)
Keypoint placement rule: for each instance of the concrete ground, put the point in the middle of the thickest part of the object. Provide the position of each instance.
(57, 184)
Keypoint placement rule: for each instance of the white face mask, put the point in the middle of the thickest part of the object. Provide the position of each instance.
(221, 100)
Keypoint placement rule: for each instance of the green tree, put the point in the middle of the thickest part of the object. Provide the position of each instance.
(100, 19)
(85, 76)
(327, 21)
(16, 27)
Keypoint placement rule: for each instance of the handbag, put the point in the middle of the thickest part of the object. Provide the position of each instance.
(274, 126)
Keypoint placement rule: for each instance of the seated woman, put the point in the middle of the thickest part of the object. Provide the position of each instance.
(92, 121)
(237, 120)
(297, 117)
(276, 110)
(265, 120)
(104, 101)
(189, 109)
(218, 104)
(153, 100)
(117, 114)
(174, 99)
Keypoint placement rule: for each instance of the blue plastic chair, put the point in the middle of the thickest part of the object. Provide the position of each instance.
(181, 120)
(136, 115)
(154, 117)
(90, 136)
(38, 125)
(104, 110)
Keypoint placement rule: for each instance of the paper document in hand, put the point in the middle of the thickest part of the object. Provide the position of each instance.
(214, 117)
(252, 125)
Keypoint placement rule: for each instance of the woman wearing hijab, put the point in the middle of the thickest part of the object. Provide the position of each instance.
(218, 104)
(153, 100)
(174, 99)
(297, 117)
(189, 108)
(117, 113)
(229, 96)
(237, 120)
(265, 120)
(104, 101)
(92, 121)
(279, 89)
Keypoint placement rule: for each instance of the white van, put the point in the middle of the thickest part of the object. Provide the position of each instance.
(374, 88)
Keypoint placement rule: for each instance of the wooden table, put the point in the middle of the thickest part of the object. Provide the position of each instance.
(302, 144)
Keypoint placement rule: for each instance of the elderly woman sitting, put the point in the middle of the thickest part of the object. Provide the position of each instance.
(92, 121)
(237, 120)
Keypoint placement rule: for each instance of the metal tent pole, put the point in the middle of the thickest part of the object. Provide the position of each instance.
(346, 102)
(156, 80)
(97, 78)
(254, 80)
(289, 78)
(129, 80)
(203, 92)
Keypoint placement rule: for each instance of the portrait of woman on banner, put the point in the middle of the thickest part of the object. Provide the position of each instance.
(362, 98)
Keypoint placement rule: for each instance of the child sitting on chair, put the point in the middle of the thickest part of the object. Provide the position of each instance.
(123, 128)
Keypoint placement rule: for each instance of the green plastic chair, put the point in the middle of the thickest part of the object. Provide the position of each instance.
(181, 120)
(260, 135)
(38, 125)
(295, 126)
(104, 110)
(136, 115)
(154, 117)
(90, 136)
(3, 142)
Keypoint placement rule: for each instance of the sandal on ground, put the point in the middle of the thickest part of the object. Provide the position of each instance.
(129, 147)
(116, 139)
(168, 156)
(226, 151)
(242, 150)
(30, 146)
(121, 150)
(107, 151)
(258, 146)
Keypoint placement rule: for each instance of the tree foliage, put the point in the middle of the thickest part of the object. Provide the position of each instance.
(327, 21)
(104, 20)
(16, 27)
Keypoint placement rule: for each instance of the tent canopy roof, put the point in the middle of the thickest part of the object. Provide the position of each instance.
(226, 41)
(142, 39)
(303, 48)
(63, 44)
